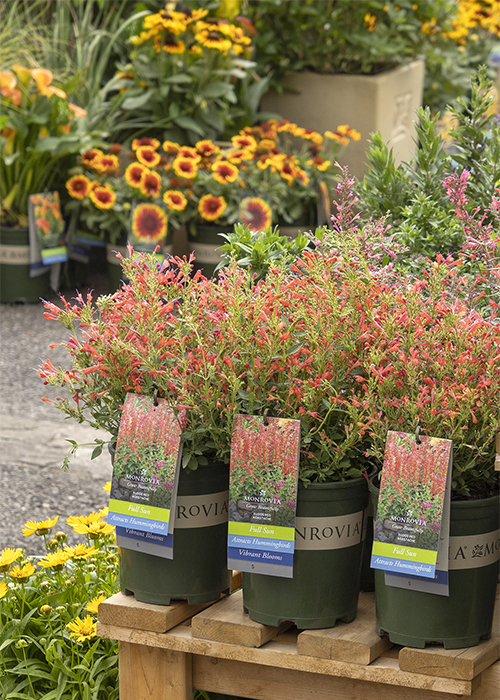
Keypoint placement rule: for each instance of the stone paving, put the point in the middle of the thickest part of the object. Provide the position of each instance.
(33, 434)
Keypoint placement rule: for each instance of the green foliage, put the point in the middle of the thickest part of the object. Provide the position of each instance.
(41, 607)
(412, 195)
(258, 250)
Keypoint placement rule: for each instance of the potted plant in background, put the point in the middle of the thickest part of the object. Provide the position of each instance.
(363, 63)
(188, 77)
(276, 172)
(39, 127)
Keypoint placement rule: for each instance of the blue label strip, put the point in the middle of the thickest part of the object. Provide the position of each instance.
(153, 537)
(264, 557)
(285, 546)
(132, 521)
(402, 566)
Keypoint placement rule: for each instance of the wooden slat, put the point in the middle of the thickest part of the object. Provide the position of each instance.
(356, 642)
(146, 673)
(464, 664)
(383, 670)
(125, 611)
(270, 683)
(226, 622)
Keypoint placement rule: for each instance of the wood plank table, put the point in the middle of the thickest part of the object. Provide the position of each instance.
(166, 651)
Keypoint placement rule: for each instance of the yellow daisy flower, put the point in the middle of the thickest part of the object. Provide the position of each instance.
(93, 605)
(80, 551)
(8, 557)
(83, 519)
(21, 573)
(107, 486)
(54, 560)
(94, 530)
(83, 630)
(4, 589)
(43, 527)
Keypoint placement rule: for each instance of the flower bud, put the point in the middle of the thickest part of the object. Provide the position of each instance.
(45, 609)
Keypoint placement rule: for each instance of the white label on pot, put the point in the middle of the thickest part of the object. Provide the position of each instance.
(474, 551)
(201, 511)
(336, 532)
(15, 254)
(207, 253)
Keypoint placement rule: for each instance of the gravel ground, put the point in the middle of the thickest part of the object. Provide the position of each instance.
(33, 432)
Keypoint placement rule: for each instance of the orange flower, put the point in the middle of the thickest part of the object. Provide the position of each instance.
(211, 207)
(44, 225)
(147, 156)
(78, 186)
(175, 200)
(103, 196)
(134, 173)
(77, 111)
(150, 184)
(188, 152)
(8, 87)
(185, 167)
(171, 148)
(149, 222)
(255, 213)
(224, 172)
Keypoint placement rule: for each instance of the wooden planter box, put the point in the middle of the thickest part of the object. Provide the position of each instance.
(165, 652)
(385, 102)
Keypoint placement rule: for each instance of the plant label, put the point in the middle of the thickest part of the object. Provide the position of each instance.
(411, 530)
(263, 495)
(46, 227)
(145, 474)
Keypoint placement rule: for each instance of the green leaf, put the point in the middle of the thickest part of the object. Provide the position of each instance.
(132, 103)
(188, 123)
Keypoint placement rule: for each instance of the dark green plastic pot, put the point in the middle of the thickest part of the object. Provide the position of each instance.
(198, 572)
(463, 619)
(203, 241)
(326, 565)
(16, 285)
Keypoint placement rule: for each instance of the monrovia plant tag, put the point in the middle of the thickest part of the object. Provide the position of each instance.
(263, 495)
(146, 472)
(46, 227)
(148, 227)
(413, 508)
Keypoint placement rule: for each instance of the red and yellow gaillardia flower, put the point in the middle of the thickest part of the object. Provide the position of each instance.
(206, 148)
(211, 207)
(150, 185)
(145, 141)
(319, 163)
(212, 39)
(189, 152)
(78, 186)
(244, 141)
(89, 157)
(175, 200)
(171, 148)
(185, 167)
(134, 173)
(255, 213)
(103, 196)
(149, 222)
(170, 44)
(224, 172)
(147, 156)
(106, 164)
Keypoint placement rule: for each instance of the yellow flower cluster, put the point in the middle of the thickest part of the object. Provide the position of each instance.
(178, 32)
(470, 15)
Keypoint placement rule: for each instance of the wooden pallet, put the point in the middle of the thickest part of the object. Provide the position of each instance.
(229, 653)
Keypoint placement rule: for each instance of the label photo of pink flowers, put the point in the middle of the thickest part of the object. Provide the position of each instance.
(412, 489)
(264, 470)
(147, 452)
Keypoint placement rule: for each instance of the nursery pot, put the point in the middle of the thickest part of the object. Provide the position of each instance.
(462, 619)
(16, 285)
(329, 534)
(198, 572)
(204, 240)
